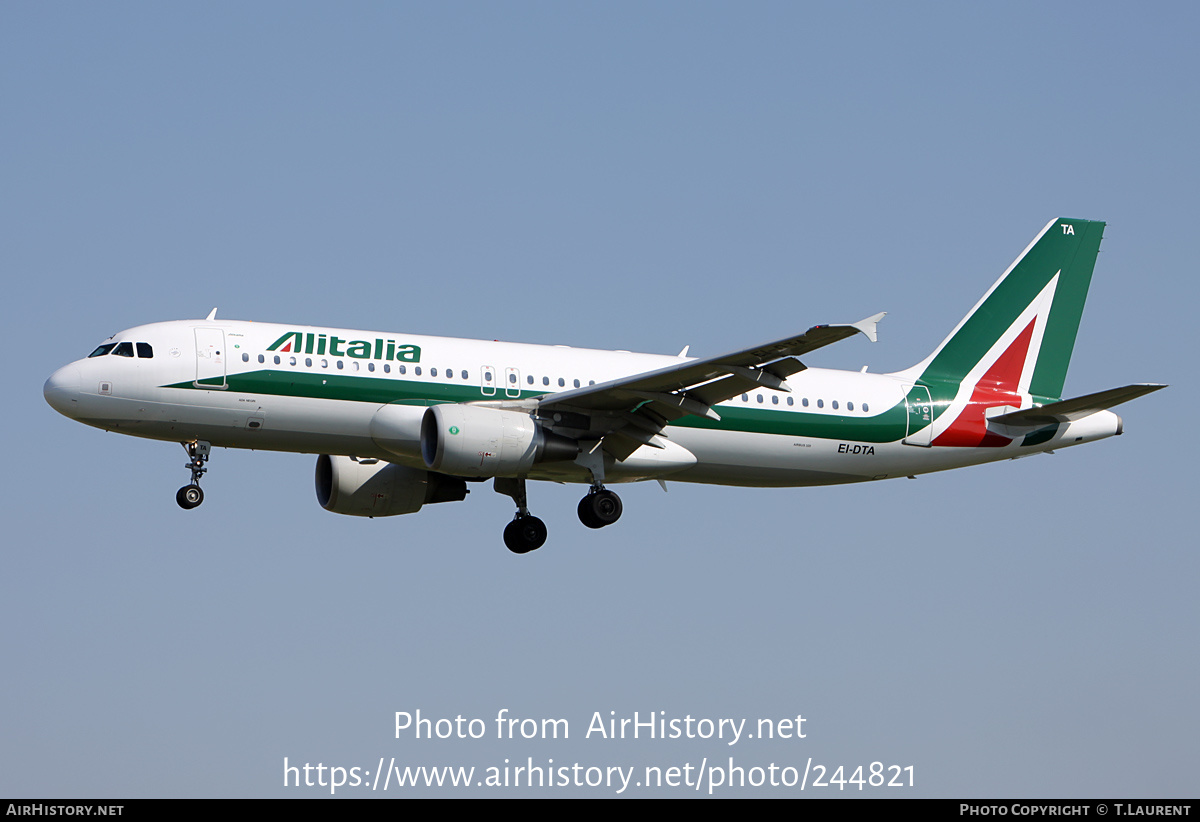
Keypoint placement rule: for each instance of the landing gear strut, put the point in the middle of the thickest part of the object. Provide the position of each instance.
(190, 496)
(526, 532)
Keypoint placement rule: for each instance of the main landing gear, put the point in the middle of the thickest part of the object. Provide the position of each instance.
(526, 532)
(599, 508)
(190, 496)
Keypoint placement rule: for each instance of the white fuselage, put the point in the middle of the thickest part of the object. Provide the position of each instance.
(343, 392)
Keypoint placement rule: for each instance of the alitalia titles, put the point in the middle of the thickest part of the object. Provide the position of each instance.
(300, 342)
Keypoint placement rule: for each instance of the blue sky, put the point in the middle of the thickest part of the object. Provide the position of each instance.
(617, 175)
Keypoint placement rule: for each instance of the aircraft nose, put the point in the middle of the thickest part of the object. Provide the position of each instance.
(62, 390)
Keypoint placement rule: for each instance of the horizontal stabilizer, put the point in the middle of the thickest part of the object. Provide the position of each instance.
(1074, 409)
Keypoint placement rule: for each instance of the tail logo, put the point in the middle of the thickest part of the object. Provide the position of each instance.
(1000, 378)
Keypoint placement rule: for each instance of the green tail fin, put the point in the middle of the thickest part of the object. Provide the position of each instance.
(1039, 299)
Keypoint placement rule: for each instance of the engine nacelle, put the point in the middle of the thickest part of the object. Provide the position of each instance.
(478, 441)
(397, 429)
(374, 488)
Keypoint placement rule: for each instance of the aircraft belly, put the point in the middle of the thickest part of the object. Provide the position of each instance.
(769, 460)
(240, 421)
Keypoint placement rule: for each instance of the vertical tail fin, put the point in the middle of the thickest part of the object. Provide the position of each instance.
(1019, 337)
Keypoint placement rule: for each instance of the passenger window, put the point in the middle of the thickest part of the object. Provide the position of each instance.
(145, 351)
(402, 369)
(849, 406)
(774, 399)
(308, 362)
(512, 378)
(340, 365)
(124, 349)
(449, 373)
(291, 360)
(432, 372)
(791, 401)
(561, 382)
(465, 377)
(866, 409)
(371, 366)
(820, 403)
(759, 396)
(835, 405)
(804, 402)
(529, 379)
(576, 383)
(545, 380)
(245, 358)
(387, 368)
(277, 359)
(745, 398)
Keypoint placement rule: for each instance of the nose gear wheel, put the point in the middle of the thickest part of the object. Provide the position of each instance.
(190, 496)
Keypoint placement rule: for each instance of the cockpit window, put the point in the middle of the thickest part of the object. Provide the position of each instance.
(102, 350)
(124, 349)
(145, 351)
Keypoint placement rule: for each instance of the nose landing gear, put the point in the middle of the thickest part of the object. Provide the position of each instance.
(190, 496)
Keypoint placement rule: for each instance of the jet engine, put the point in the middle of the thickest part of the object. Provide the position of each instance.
(373, 488)
(478, 441)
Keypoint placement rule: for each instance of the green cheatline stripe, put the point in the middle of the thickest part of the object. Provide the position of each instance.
(327, 386)
(889, 426)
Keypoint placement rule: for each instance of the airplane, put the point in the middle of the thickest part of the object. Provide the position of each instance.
(403, 420)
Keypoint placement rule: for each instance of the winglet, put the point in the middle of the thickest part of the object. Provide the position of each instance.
(868, 325)
(212, 315)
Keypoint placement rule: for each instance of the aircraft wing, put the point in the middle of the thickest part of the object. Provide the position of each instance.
(637, 407)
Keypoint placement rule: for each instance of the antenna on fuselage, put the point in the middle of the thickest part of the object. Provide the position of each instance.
(212, 315)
